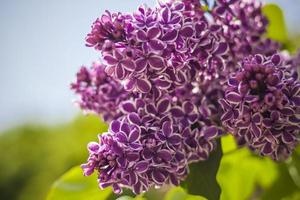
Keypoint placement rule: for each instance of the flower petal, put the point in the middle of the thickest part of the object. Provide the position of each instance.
(143, 85)
(153, 33)
(156, 62)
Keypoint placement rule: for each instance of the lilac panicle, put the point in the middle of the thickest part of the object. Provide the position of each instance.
(262, 104)
(98, 93)
(164, 70)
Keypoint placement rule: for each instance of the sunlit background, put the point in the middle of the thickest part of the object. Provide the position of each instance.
(41, 48)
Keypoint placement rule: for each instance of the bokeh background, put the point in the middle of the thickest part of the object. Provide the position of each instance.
(41, 48)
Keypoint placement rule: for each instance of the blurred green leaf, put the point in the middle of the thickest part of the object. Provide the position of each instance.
(242, 175)
(74, 186)
(202, 177)
(228, 144)
(178, 193)
(35, 155)
(277, 28)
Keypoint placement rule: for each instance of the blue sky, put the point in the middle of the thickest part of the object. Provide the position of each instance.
(42, 47)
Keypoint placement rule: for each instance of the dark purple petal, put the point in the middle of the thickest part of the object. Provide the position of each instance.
(287, 138)
(110, 60)
(156, 62)
(256, 130)
(210, 132)
(267, 149)
(137, 188)
(233, 97)
(141, 36)
(287, 111)
(296, 100)
(177, 112)
(188, 107)
(134, 136)
(187, 31)
(141, 64)
(163, 106)
(125, 128)
(115, 126)
(220, 10)
(227, 116)
(166, 14)
(120, 72)
(167, 128)
(128, 64)
(158, 177)
(141, 166)
(132, 156)
(175, 139)
(157, 45)
(257, 118)
(128, 106)
(151, 109)
(153, 33)
(170, 36)
(93, 147)
(164, 155)
(134, 118)
(276, 59)
(121, 137)
(147, 154)
(143, 85)
(133, 178)
(117, 149)
(222, 48)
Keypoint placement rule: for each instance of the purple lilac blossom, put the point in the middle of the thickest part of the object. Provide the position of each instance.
(262, 104)
(164, 71)
(98, 93)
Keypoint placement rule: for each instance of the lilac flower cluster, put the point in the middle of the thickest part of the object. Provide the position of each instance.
(98, 92)
(163, 72)
(262, 104)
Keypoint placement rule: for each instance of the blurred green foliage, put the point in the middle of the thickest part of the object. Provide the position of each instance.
(32, 156)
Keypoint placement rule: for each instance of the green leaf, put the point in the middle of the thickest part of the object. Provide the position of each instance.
(74, 186)
(178, 193)
(243, 175)
(277, 28)
(202, 177)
